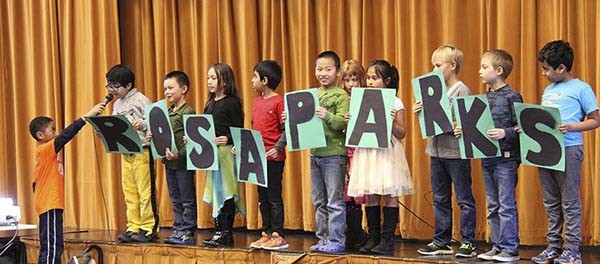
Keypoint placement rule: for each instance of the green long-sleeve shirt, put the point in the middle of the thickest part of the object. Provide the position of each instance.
(337, 103)
(176, 119)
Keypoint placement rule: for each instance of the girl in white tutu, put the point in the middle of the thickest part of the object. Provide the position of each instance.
(382, 173)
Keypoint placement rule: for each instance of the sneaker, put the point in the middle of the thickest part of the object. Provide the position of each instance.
(173, 236)
(489, 255)
(333, 248)
(275, 243)
(258, 243)
(547, 256)
(466, 250)
(186, 238)
(125, 237)
(221, 239)
(432, 249)
(144, 237)
(506, 257)
(317, 247)
(569, 256)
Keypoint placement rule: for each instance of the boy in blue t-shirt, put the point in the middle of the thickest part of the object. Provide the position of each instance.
(560, 190)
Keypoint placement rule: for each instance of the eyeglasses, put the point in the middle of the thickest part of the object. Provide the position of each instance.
(113, 86)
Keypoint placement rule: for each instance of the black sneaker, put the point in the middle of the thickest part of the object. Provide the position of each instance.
(221, 239)
(432, 249)
(186, 238)
(126, 237)
(466, 250)
(547, 256)
(144, 237)
(176, 235)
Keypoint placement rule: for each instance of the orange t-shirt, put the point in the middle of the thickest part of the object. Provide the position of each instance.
(49, 180)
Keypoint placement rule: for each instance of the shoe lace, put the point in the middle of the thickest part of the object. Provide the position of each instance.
(569, 254)
(549, 252)
(467, 246)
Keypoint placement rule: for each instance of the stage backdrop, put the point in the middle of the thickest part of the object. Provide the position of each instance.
(54, 55)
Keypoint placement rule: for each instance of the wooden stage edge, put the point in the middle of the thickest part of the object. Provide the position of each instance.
(298, 251)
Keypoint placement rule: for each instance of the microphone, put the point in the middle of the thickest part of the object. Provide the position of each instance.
(107, 99)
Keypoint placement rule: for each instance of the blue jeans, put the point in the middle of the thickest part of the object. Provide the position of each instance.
(500, 178)
(182, 191)
(560, 191)
(327, 180)
(445, 172)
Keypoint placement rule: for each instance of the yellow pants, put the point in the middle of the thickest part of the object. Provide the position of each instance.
(138, 182)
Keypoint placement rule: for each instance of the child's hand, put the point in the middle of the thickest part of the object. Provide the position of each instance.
(517, 129)
(283, 116)
(417, 107)
(184, 140)
(96, 110)
(322, 112)
(347, 117)
(496, 133)
(394, 111)
(563, 128)
(457, 131)
(170, 155)
(222, 140)
(136, 124)
(233, 151)
(272, 153)
(148, 135)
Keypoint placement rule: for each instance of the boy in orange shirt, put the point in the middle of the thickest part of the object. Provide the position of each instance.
(49, 182)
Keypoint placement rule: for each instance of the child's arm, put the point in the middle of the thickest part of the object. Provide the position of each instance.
(511, 132)
(589, 105)
(398, 127)
(237, 118)
(282, 141)
(508, 134)
(70, 131)
(141, 124)
(592, 122)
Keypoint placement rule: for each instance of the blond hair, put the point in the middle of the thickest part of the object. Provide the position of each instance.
(500, 58)
(448, 53)
(352, 68)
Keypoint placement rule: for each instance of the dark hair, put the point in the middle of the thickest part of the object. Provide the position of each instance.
(38, 124)
(385, 70)
(121, 74)
(227, 79)
(501, 58)
(180, 77)
(271, 70)
(556, 53)
(332, 55)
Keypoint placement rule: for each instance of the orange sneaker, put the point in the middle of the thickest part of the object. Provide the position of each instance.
(258, 243)
(275, 243)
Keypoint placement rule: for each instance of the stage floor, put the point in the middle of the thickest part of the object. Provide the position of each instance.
(300, 242)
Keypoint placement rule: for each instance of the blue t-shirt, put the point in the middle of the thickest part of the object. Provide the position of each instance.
(574, 100)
